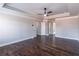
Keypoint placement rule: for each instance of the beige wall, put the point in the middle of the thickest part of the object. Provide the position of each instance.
(68, 27)
(14, 28)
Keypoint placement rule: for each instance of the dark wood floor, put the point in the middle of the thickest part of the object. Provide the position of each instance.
(42, 46)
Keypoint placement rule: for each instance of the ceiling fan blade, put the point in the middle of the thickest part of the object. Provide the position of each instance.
(49, 12)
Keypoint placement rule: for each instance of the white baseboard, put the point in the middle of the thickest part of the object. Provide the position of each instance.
(16, 41)
(45, 34)
(68, 38)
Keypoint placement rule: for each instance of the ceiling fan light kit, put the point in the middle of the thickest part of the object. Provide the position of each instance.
(45, 15)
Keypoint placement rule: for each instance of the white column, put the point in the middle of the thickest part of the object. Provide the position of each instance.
(54, 31)
(54, 27)
(44, 27)
(47, 28)
(51, 27)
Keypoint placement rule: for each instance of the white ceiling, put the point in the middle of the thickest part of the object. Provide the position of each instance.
(37, 8)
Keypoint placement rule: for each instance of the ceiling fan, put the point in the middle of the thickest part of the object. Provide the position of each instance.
(51, 15)
(46, 13)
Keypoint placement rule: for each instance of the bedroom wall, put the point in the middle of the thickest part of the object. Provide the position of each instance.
(67, 27)
(15, 28)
